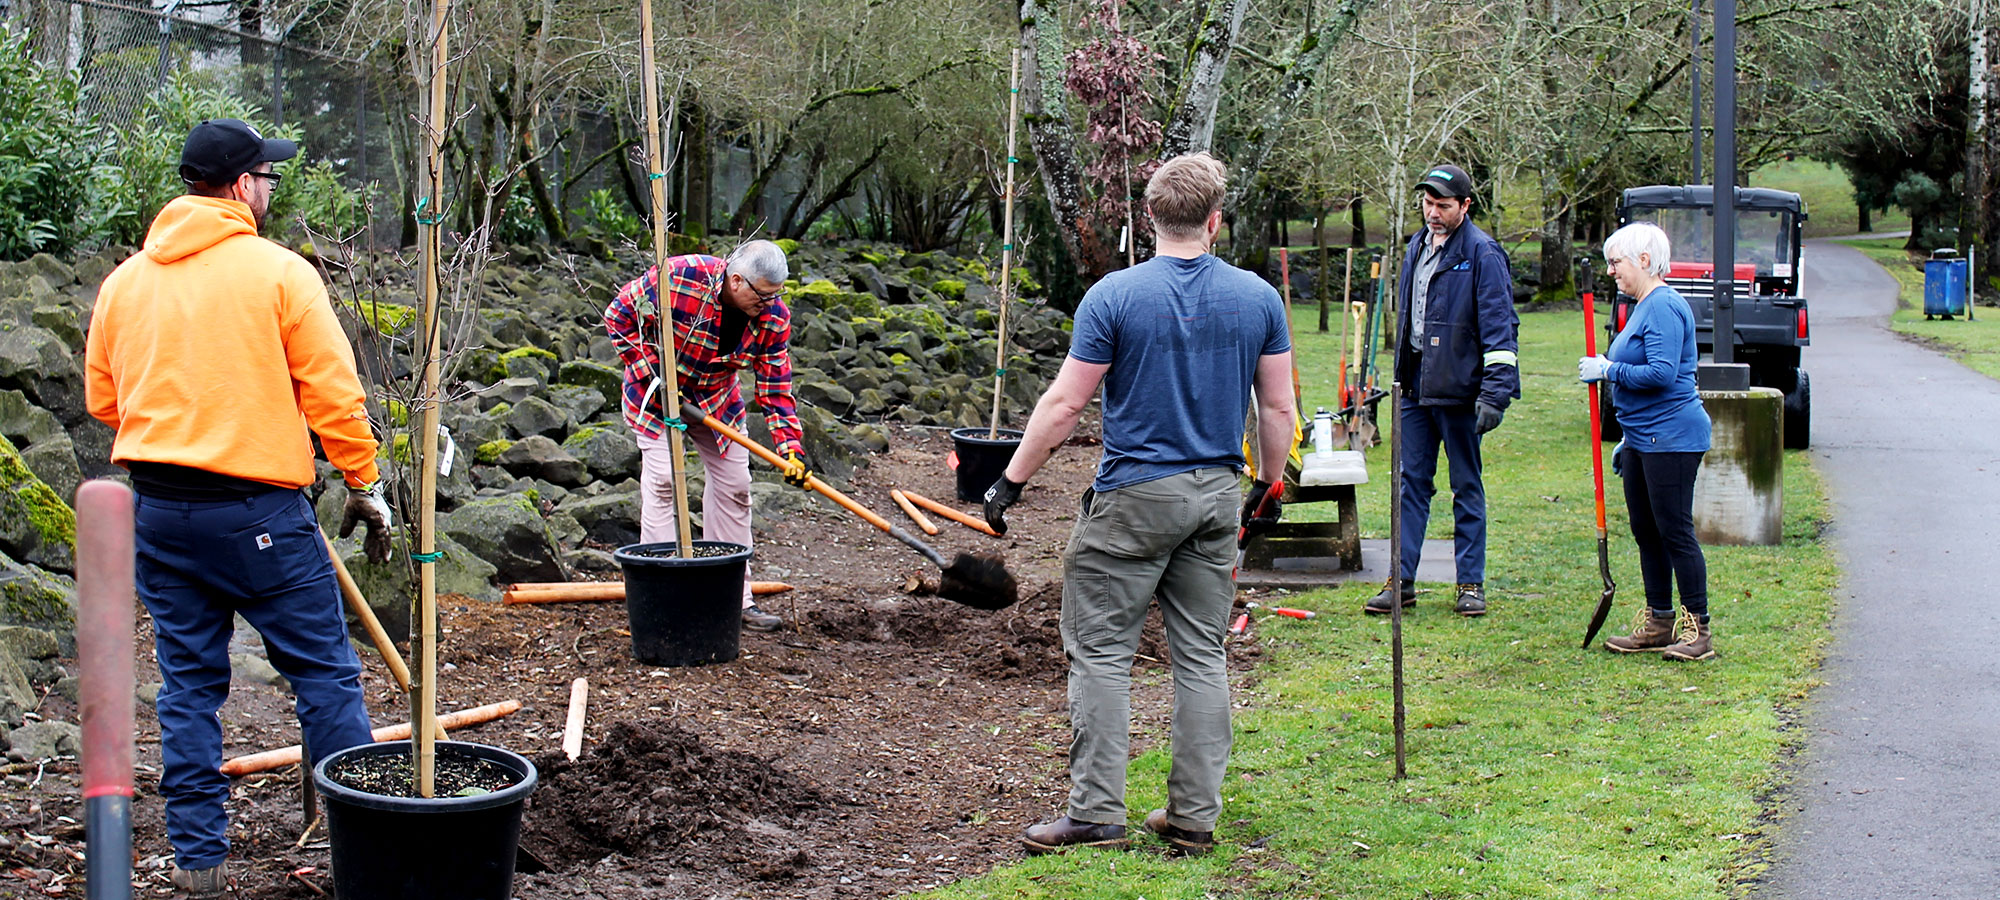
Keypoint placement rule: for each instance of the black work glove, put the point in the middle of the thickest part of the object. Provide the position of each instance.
(1488, 416)
(796, 471)
(1261, 508)
(366, 505)
(1001, 495)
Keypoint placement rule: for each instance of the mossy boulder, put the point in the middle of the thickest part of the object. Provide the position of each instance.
(949, 288)
(536, 416)
(537, 456)
(36, 526)
(609, 453)
(32, 596)
(581, 403)
(509, 533)
(591, 374)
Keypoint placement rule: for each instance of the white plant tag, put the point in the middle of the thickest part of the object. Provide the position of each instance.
(449, 453)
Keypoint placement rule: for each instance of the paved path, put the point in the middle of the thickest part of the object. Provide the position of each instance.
(1899, 792)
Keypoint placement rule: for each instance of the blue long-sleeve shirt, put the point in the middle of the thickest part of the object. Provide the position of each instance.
(1652, 377)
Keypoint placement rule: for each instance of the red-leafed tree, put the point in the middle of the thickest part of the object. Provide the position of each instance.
(1113, 76)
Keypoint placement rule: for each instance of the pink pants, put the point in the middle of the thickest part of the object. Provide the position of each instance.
(725, 501)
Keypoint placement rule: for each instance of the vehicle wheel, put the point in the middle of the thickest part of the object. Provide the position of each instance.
(1798, 415)
(1605, 415)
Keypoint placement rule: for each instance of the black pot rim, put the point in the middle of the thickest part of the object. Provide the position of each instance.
(520, 790)
(1009, 437)
(628, 555)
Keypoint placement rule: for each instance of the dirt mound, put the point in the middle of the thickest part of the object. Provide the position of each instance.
(653, 789)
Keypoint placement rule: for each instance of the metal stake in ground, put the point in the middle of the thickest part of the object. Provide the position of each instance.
(1006, 242)
(1396, 565)
(1596, 466)
(104, 590)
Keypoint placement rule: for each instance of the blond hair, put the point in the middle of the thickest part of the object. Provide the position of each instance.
(1183, 193)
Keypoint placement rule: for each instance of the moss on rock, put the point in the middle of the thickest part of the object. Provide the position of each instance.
(489, 452)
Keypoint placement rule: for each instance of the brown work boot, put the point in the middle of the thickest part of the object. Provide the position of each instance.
(209, 882)
(1650, 631)
(1063, 832)
(1378, 605)
(1180, 841)
(1471, 600)
(756, 619)
(1695, 642)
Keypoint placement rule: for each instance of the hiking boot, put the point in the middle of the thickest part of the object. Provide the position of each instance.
(1651, 630)
(756, 619)
(1694, 641)
(1064, 832)
(209, 882)
(1471, 600)
(1378, 605)
(1180, 841)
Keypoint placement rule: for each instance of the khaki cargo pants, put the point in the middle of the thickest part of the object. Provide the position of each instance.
(1173, 538)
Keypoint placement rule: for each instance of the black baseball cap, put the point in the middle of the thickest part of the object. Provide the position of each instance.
(219, 150)
(1446, 180)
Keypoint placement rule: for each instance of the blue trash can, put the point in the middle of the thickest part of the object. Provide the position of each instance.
(1944, 284)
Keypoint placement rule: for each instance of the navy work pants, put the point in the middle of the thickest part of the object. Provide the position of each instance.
(200, 565)
(1659, 497)
(1422, 429)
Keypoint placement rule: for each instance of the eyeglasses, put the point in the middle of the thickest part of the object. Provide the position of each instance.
(271, 177)
(1611, 262)
(771, 297)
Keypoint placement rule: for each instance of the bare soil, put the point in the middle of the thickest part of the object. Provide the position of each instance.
(884, 741)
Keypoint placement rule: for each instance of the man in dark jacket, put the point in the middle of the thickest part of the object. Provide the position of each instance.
(1456, 346)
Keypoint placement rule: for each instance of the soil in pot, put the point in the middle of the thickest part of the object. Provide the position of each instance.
(391, 775)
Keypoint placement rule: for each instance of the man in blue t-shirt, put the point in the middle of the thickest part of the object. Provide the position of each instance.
(1177, 343)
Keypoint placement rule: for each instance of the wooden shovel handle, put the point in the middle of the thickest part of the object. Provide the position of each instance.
(910, 509)
(762, 452)
(359, 606)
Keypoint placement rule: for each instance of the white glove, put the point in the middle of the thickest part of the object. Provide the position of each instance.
(1593, 368)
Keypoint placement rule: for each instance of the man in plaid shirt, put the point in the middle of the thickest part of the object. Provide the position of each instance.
(727, 317)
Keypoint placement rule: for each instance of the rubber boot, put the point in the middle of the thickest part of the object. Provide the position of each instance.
(1651, 631)
(1695, 642)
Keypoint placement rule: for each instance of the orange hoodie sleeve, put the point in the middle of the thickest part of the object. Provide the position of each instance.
(323, 373)
(100, 393)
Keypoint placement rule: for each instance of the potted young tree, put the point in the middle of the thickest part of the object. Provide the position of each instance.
(980, 455)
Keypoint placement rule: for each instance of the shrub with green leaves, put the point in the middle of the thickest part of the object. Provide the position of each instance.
(58, 187)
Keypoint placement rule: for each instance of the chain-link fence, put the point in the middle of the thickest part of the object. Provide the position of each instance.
(127, 57)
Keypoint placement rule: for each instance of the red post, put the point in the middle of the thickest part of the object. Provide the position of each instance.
(105, 601)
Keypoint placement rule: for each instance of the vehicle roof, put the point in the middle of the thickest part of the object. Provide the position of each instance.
(1703, 195)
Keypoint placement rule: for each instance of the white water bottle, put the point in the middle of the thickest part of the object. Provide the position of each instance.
(1323, 433)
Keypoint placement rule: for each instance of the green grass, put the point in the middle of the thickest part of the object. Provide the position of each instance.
(1829, 198)
(1975, 343)
(1536, 769)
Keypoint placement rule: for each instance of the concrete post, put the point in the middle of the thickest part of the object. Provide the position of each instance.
(1739, 494)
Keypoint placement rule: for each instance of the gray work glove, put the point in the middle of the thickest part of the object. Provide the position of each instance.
(1488, 416)
(1002, 494)
(367, 505)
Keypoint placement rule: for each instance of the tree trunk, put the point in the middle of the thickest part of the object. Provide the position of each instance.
(1322, 285)
(698, 150)
(1192, 128)
(1867, 218)
(1557, 280)
(1042, 100)
(1357, 235)
(1299, 76)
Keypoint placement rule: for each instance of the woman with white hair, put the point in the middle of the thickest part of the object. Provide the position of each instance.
(1650, 370)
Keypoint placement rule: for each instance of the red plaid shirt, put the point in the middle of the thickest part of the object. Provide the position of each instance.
(707, 371)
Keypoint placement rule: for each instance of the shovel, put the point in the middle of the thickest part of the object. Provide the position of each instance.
(1597, 468)
(978, 580)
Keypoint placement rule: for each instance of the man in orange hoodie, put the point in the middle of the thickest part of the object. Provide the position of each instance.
(213, 352)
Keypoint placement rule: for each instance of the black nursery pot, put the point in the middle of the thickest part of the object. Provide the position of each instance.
(980, 460)
(424, 848)
(684, 612)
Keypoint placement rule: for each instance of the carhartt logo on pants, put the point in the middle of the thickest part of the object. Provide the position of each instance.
(264, 541)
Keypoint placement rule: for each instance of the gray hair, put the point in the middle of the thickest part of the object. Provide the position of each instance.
(758, 261)
(1641, 239)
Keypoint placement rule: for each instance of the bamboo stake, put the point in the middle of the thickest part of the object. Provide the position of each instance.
(656, 175)
(252, 763)
(952, 514)
(910, 509)
(572, 743)
(424, 715)
(1007, 241)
